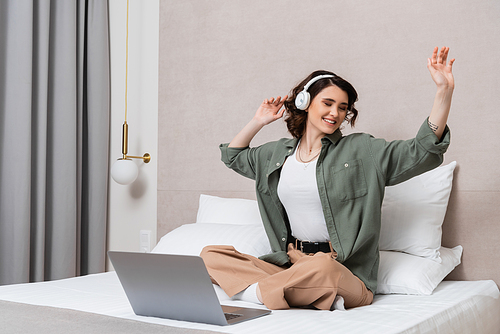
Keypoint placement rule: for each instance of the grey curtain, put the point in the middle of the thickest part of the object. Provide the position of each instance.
(54, 136)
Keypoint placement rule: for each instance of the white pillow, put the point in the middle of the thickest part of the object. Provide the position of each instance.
(191, 238)
(213, 209)
(413, 212)
(398, 272)
(401, 273)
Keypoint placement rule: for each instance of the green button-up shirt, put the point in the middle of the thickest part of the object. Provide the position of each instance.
(352, 173)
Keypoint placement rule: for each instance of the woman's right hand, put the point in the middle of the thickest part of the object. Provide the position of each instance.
(270, 110)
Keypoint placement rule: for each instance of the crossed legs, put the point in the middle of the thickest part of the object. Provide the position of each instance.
(311, 280)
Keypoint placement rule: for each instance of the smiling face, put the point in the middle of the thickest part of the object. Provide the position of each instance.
(327, 111)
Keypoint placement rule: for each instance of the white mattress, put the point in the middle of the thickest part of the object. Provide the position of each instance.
(454, 307)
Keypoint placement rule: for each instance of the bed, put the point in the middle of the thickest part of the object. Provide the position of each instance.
(411, 295)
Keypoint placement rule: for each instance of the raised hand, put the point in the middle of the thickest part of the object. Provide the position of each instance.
(441, 72)
(270, 110)
(443, 77)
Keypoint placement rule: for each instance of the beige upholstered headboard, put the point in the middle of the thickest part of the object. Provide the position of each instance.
(219, 59)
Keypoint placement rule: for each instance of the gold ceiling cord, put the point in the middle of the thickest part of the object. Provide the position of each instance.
(124, 170)
(146, 156)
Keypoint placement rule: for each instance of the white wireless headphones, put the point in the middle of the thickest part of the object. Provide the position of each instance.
(303, 98)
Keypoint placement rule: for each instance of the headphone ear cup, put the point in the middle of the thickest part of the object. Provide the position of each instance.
(302, 100)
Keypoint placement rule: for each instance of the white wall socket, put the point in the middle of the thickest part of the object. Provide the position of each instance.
(145, 241)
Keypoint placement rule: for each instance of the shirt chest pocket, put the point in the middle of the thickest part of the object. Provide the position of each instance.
(349, 181)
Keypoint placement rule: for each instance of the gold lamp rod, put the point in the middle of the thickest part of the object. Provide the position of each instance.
(146, 157)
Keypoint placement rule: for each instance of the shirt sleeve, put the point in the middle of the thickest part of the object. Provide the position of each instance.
(241, 160)
(400, 160)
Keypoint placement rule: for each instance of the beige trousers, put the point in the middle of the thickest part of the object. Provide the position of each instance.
(312, 280)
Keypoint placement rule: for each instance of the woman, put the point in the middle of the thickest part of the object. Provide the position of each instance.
(320, 193)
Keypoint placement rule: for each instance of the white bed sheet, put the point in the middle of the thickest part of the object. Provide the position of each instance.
(473, 307)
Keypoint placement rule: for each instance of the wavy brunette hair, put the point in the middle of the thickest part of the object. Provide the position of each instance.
(296, 119)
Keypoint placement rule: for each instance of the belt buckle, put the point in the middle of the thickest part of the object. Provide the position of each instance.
(302, 245)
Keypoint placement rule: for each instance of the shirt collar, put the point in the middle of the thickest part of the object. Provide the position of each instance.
(333, 138)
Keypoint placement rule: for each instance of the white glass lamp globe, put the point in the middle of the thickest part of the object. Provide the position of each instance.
(124, 171)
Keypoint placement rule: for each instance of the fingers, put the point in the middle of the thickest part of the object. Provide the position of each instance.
(450, 64)
(433, 59)
(280, 113)
(429, 63)
(444, 55)
(276, 101)
(441, 57)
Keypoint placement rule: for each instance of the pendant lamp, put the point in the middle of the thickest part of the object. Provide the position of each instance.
(124, 170)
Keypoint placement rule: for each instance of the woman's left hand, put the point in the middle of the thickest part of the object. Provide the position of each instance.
(440, 71)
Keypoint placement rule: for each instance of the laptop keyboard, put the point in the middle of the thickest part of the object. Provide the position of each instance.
(230, 316)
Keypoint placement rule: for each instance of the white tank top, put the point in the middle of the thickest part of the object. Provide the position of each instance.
(298, 192)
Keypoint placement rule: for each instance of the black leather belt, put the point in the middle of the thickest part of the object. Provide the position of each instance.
(310, 247)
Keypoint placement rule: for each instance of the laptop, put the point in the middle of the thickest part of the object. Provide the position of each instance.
(174, 287)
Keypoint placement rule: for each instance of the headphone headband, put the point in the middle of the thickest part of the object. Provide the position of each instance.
(303, 98)
(313, 80)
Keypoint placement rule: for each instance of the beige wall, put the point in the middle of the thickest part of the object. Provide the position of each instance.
(220, 59)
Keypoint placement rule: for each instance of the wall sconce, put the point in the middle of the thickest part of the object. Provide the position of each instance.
(124, 170)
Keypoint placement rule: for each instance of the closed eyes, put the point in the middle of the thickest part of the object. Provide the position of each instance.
(330, 102)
